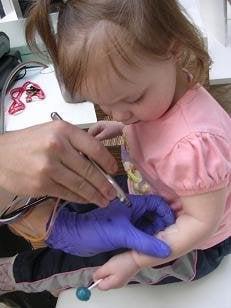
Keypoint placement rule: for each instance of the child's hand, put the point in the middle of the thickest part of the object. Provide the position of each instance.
(117, 272)
(106, 130)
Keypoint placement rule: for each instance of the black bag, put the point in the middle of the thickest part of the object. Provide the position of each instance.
(4, 44)
(7, 61)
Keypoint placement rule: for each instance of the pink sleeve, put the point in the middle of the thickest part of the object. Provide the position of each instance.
(199, 163)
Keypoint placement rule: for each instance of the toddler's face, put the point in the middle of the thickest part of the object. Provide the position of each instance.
(146, 95)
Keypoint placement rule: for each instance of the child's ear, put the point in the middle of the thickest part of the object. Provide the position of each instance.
(175, 50)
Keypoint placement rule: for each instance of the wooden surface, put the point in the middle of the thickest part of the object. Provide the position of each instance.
(222, 94)
(114, 144)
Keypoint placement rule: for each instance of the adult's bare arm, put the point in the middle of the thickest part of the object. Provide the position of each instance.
(45, 160)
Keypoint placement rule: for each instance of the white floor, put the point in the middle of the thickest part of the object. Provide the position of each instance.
(213, 291)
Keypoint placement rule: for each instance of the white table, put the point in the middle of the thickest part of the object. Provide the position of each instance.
(212, 291)
(36, 112)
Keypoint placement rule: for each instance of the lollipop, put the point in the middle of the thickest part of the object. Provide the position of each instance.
(84, 294)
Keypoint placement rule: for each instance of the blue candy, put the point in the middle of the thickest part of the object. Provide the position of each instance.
(83, 294)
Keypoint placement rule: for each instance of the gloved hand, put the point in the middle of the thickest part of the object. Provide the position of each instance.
(114, 227)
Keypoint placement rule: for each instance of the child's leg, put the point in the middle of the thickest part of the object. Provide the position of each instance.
(53, 270)
(209, 259)
(20, 299)
(48, 269)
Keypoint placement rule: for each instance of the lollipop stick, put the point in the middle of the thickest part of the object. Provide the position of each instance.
(95, 284)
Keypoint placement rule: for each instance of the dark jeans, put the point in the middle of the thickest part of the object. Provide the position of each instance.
(207, 260)
(21, 299)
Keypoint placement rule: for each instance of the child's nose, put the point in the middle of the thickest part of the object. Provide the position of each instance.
(121, 116)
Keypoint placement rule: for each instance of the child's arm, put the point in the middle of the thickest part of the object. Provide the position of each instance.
(202, 214)
(201, 217)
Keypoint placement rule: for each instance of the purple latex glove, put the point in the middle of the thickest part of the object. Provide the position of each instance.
(114, 227)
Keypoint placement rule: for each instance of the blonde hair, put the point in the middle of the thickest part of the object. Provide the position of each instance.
(129, 29)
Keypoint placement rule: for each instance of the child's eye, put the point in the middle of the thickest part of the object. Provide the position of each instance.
(139, 99)
(135, 99)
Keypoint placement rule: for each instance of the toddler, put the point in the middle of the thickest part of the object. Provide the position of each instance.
(144, 63)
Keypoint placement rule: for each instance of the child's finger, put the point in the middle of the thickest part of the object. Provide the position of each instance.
(102, 135)
(110, 279)
(101, 273)
(95, 129)
(110, 282)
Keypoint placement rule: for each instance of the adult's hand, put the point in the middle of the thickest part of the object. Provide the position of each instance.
(45, 160)
(114, 227)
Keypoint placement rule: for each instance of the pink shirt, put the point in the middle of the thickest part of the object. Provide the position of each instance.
(185, 152)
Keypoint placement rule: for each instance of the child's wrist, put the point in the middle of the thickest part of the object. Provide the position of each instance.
(135, 258)
(142, 260)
